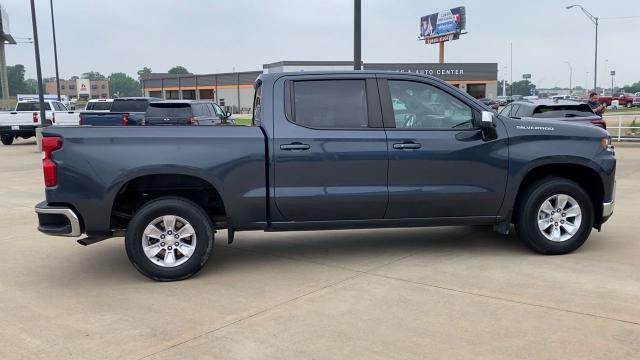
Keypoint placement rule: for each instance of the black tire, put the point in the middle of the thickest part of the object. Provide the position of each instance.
(7, 139)
(177, 206)
(526, 221)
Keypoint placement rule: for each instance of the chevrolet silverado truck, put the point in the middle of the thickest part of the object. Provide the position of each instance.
(327, 150)
(23, 121)
(624, 100)
(125, 111)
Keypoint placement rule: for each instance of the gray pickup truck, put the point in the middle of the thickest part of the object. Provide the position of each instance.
(327, 150)
(125, 111)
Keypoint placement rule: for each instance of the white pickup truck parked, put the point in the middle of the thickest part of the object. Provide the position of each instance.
(23, 121)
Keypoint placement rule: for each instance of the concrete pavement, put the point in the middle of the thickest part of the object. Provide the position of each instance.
(439, 293)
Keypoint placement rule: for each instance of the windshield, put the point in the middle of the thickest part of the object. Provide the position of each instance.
(129, 105)
(169, 110)
(31, 106)
(562, 111)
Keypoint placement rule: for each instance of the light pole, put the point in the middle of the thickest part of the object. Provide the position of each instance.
(570, 76)
(36, 47)
(594, 20)
(586, 82)
(613, 73)
(55, 51)
(504, 82)
(357, 20)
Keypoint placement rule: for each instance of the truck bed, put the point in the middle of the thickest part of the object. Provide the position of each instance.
(95, 162)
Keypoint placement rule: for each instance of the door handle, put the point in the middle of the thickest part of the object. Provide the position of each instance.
(296, 146)
(407, 146)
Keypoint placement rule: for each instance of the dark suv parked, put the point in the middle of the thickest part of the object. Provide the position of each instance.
(186, 112)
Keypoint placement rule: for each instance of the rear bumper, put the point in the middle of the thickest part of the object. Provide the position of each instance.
(58, 220)
(20, 130)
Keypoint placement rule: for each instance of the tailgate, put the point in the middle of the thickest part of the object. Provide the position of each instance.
(18, 118)
(102, 119)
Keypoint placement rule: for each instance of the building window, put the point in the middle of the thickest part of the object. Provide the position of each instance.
(103, 95)
(94, 87)
(103, 87)
(72, 87)
(62, 87)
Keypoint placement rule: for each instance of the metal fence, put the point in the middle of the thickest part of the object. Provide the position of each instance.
(623, 127)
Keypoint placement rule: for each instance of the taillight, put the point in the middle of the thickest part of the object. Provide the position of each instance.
(193, 121)
(125, 118)
(34, 116)
(49, 168)
(599, 122)
(80, 119)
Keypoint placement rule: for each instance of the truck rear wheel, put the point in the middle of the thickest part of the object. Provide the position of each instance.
(7, 139)
(554, 216)
(169, 239)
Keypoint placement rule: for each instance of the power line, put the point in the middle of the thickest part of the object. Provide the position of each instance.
(620, 17)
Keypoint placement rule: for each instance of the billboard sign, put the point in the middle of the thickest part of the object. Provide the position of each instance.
(443, 26)
(526, 76)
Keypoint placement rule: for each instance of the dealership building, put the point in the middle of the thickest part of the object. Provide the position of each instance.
(234, 91)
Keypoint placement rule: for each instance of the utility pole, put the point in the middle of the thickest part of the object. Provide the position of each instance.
(36, 46)
(570, 76)
(511, 69)
(357, 35)
(55, 51)
(594, 20)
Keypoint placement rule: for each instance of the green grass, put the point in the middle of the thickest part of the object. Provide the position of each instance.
(243, 120)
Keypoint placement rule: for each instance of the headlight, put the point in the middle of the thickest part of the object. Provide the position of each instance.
(605, 142)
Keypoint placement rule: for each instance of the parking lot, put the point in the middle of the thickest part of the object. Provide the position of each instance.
(441, 293)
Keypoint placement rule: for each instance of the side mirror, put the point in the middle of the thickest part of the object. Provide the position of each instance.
(488, 126)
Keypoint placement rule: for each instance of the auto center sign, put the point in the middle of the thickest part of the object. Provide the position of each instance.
(443, 26)
(447, 72)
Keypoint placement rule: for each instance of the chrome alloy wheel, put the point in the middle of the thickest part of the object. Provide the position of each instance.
(559, 217)
(169, 241)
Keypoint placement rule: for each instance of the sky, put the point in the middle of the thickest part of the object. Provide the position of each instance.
(222, 35)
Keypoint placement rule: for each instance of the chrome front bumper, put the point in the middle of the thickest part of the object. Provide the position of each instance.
(607, 207)
(58, 220)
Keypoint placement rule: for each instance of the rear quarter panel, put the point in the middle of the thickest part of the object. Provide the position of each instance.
(95, 162)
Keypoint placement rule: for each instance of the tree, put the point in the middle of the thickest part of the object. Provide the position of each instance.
(93, 75)
(74, 78)
(508, 86)
(179, 70)
(31, 86)
(522, 87)
(632, 88)
(17, 83)
(123, 85)
(144, 72)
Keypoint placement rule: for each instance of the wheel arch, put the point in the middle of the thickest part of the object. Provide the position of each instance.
(140, 187)
(584, 175)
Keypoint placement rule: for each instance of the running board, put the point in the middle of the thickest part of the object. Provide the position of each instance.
(89, 240)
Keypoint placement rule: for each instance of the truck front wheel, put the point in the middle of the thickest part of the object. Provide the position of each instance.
(7, 139)
(169, 239)
(554, 216)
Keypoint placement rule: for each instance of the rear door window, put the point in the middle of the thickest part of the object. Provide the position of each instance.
(132, 105)
(563, 111)
(330, 104)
